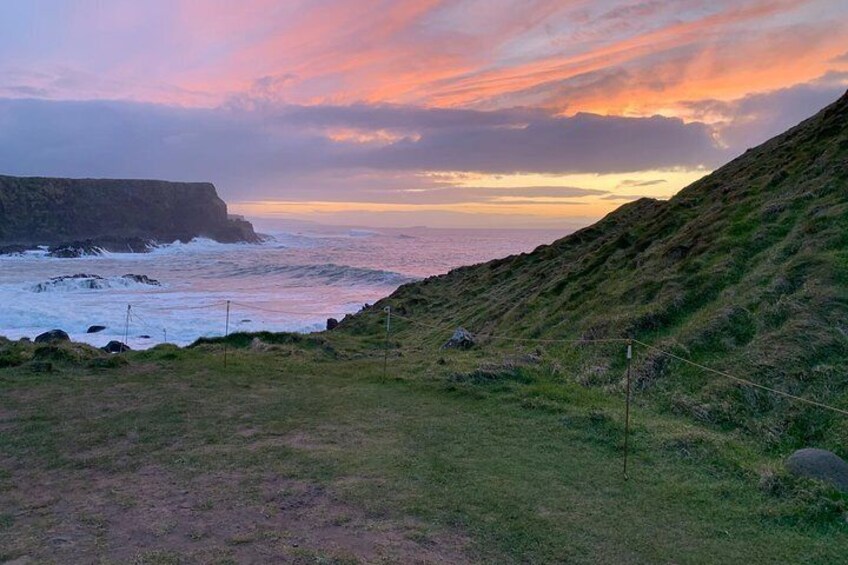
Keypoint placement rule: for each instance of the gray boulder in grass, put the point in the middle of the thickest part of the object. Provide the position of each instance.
(461, 339)
(821, 465)
(116, 347)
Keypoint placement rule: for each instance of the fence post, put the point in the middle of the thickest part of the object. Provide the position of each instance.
(388, 311)
(627, 407)
(226, 332)
(127, 327)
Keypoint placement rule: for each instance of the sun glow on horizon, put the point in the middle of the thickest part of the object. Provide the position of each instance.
(603, 194)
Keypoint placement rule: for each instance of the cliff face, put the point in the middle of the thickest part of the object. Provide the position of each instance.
(55, 211)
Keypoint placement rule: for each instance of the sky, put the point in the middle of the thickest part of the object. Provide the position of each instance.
(445, 113)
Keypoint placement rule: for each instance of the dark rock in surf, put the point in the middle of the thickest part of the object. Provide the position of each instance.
(74, 250)
(95, 329)
(92, 282)
(52, 336)
(116, 347)
(332, 324)
(461, 339)
(821, 465)
(142, 279)
(15, 249)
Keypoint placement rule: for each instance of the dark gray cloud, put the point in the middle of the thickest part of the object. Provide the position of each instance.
(277, 152)
(749, 121)
(404, 118)
(583, 143)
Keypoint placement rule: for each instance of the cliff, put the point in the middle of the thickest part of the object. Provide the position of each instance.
(56, 211)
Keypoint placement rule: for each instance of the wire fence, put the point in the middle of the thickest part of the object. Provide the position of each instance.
(226, 306)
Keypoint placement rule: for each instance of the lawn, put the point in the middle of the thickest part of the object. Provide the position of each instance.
(306, 453)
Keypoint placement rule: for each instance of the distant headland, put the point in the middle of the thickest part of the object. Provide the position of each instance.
(76, 217)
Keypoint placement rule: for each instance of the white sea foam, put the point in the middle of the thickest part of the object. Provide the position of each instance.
(291, 282)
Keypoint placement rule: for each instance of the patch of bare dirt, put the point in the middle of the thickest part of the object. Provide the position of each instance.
(84, 516)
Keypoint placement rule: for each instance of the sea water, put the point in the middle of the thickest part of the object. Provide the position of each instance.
(294, 281)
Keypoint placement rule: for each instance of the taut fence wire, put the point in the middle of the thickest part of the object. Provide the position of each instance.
(132, 316)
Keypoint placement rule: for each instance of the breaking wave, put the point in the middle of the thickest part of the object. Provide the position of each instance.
(83, 281)
(329, 273)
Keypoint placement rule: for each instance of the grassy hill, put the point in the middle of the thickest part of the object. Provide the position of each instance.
(745, 270)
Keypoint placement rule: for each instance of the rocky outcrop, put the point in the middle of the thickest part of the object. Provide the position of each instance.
(75, 216)
(83, 281)
(98, 245)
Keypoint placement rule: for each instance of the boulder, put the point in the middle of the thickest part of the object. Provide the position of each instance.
(95, 329)
(116, 347)
(461, 339)
(52, 336)
(332, 324)
(821, 465)
(141, 279)
(75, 250)
(92, 282)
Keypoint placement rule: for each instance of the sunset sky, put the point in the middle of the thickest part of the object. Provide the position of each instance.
(469, 113)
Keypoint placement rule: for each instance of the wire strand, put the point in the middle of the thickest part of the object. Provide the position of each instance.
(519, 339)
(743, 381)
(275, 311)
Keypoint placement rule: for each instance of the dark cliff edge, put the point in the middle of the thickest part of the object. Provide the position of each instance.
(112, 214)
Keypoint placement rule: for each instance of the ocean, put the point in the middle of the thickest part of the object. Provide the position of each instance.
(292, 282)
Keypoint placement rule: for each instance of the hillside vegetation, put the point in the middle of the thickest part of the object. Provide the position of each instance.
(745, 270)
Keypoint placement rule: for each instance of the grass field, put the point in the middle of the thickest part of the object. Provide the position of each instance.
(303, 452)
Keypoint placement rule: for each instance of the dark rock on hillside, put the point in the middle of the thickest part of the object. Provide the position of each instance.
(52, 336)
(95, 329)
(461, 339)
(332, 324)
(84, 216)
(821, 465)
(116, 347)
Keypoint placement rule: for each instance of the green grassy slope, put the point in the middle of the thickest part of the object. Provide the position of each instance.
(301, 452)
(745, 270)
